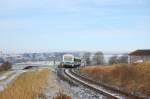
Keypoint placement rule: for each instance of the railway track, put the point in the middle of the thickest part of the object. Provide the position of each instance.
(110, 93)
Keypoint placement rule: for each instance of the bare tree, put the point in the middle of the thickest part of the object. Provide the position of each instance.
(87, 56)
(123, 59)
(113, 60)
(98, 58)
(117, 59)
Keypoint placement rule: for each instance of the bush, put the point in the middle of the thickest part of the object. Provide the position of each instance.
(5, 66)
(61, 95)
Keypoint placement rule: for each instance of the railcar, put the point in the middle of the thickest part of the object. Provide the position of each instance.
(70, 61)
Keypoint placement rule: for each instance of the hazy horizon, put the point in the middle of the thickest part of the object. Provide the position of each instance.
(73, 51)
(80, 25)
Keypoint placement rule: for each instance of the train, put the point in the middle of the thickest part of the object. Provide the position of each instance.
(70, 61)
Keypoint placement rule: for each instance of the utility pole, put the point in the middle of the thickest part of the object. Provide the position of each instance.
(54, 61)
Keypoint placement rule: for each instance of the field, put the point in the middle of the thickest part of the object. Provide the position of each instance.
(128, 77)
(29, 85)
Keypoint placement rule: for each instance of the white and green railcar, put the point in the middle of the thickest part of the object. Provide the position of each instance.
(70, 61)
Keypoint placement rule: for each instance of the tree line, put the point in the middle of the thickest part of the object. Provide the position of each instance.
(99, 59)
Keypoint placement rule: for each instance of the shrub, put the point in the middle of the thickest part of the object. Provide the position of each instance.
(61, 95)
(5, 66)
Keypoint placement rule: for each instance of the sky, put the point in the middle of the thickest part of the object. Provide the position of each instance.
(74, 25)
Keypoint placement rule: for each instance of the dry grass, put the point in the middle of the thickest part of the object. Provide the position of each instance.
(130, 77)
(61, 95)
(29, 85)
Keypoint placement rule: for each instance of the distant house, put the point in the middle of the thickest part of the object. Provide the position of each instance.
(139, 56)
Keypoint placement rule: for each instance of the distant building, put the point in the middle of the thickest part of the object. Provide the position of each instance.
(139, 56)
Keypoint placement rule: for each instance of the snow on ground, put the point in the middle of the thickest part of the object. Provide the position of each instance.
(80, 92)
(22, 65)
(54, 86)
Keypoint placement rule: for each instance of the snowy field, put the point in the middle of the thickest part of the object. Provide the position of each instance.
(19, 66)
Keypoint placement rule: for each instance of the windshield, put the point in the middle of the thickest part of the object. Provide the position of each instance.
(68, 59)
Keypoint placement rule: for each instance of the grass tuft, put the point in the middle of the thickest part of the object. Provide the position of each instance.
(61, 95)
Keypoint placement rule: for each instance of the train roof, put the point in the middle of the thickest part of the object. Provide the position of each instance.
(77, 57)
(68, 55)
